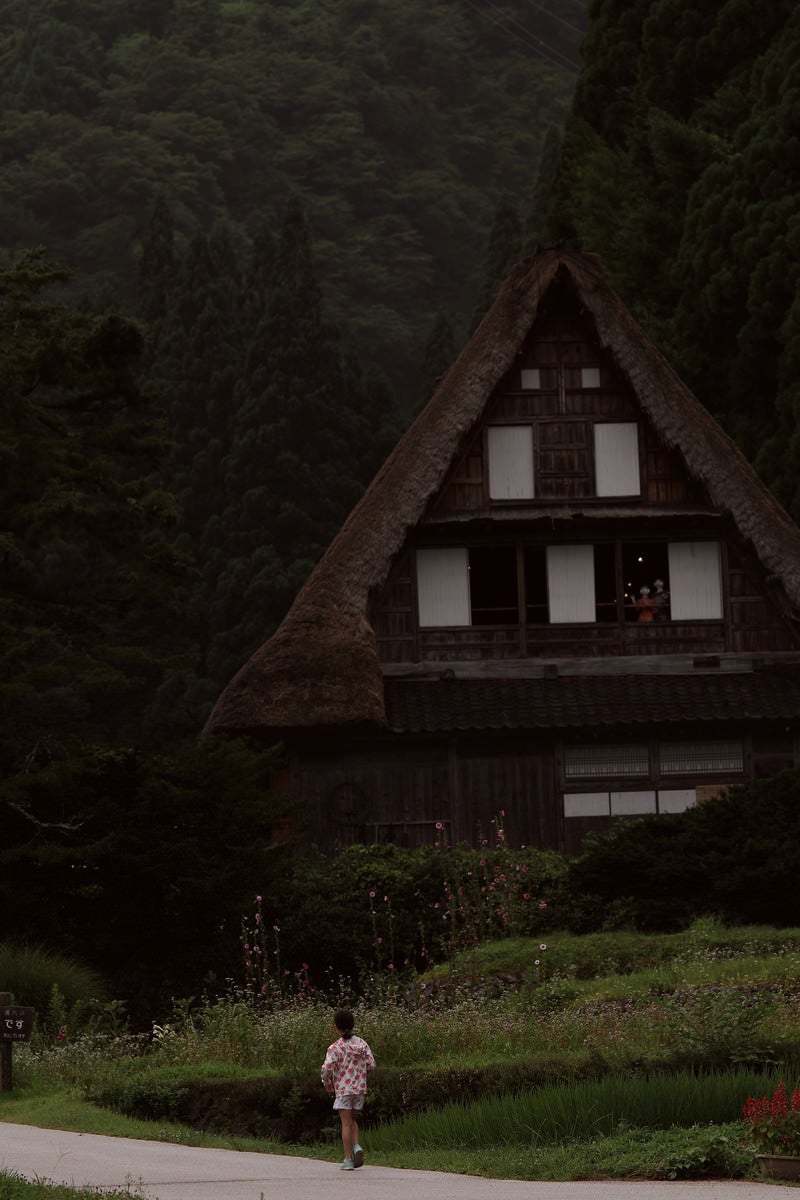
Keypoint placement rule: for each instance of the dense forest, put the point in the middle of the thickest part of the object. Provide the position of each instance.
(679, 167)
(241, 241)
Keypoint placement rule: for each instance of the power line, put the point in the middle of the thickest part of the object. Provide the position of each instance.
(535, 43)
(555, 17)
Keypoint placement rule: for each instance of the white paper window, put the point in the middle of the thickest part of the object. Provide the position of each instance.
(443, 586)
(570, 584)
(701, 758)
(632, 804)
(694, 581)
(590, 377)
(531, 378)
(616, 459)
(598, 762)
(510, 462)
(676, 800)
(586, 804)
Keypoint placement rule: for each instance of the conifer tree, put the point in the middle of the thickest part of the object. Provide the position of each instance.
(157, 267)
(504, 248)
(440, 353)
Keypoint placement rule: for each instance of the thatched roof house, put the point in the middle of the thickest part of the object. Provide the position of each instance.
(563, 372)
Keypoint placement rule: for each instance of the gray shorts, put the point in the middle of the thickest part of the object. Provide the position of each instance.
(354, 1102)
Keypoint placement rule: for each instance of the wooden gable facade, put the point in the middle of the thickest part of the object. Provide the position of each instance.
(566, 597)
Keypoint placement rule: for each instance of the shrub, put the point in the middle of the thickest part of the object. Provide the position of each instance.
(31, 973)
(736, 855)
(383, 908)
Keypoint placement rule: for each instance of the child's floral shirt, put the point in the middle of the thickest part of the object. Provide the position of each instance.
(346, 1066)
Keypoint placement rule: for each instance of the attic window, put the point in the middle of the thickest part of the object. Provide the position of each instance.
(510, 453)
(616, 458)
(531, 379)
(590, 377)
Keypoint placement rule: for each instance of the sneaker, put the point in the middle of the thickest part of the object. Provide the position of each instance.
(358, 1156)
(347, 1165)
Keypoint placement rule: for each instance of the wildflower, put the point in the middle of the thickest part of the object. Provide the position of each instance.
(258, 899)
(440, 825)
(526, 896)
(543, 946)
(372, 895)
(276, 928)
(542, 904)
(536, 962)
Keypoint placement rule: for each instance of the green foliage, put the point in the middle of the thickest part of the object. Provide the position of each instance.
(400, 127)
(375, 905)
(678, 167)
(33, 973)
(143, 863)
(577, 1110)
(14, 1187)
(708, 1154)
(88, 615)
(735, 855)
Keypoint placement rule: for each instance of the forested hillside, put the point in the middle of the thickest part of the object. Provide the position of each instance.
(680, 168)
(401, 125)
(267, 227)
(264, 229)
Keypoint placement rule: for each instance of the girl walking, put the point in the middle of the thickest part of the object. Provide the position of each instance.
(344, 1075)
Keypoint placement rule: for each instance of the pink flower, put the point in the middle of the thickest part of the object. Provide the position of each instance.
(372, 895)
(439, 825)
(543, 946)
(258, 899)
(526, 896)
(276, 928)
(542, 904)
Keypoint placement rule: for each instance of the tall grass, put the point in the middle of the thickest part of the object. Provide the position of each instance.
(14, 1187)
(578, 1111)
(31, 973)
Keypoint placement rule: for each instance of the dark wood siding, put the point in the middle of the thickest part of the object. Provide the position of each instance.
(397, 792)
(562, 411)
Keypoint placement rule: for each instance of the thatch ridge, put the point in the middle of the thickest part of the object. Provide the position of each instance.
(321, 666)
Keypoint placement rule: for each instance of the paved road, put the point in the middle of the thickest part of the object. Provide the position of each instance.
(167, 1172)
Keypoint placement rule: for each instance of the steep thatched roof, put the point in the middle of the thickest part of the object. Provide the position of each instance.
(321, 666)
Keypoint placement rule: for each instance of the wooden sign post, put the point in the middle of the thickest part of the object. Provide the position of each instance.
(16, 1024)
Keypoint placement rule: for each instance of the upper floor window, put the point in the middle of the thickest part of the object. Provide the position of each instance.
(563, 458)
(638, 583)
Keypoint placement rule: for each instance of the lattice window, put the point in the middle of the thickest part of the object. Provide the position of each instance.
(606, 762)
(702, 758)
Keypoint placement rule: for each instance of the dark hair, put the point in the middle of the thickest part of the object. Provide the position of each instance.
(344, 1022)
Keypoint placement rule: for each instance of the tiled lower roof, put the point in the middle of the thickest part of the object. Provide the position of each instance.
(429, 706)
